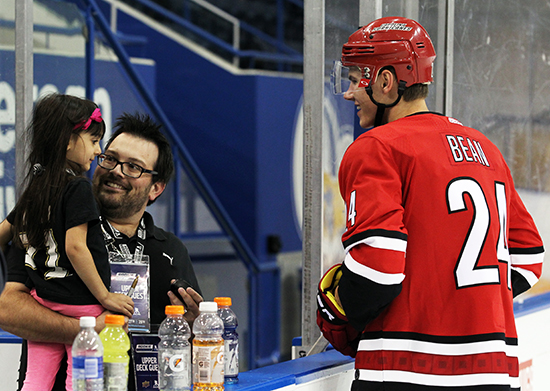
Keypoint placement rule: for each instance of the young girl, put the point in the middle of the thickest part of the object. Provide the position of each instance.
(56, 221)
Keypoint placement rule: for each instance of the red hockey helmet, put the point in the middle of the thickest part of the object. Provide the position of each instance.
(400, 42)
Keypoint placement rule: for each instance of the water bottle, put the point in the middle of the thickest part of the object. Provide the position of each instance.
(208, 349)
(231, 339)
(174, 351)
(115, 353)
(87, 354)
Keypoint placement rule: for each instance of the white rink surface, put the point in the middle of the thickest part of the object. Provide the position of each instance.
(9, 362)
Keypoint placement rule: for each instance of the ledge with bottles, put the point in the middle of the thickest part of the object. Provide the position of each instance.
(331, 370)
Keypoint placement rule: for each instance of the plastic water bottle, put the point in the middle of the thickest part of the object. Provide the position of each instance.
(208, 349)
(87, 354)
(174, 351)
(231, 339)
(115, 353)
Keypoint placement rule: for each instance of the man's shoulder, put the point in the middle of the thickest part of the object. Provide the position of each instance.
(158, 234)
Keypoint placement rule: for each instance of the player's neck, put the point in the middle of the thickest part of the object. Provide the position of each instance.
(403, 109)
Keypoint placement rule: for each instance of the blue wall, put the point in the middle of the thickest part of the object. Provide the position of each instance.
(238, 129)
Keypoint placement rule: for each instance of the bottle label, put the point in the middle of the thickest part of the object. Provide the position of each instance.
(88, 367)
(208, 363)
(116, 376)
(231, 357)
(175, 368)
(175, 362)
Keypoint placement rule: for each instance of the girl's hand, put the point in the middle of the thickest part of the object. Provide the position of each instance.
(119, 303)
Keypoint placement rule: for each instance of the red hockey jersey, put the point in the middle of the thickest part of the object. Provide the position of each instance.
(437, 244)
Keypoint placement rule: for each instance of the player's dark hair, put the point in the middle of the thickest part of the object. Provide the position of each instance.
(411, 93)
(55, 119)
(143, 126)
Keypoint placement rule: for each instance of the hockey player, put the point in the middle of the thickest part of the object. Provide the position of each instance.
(437, 240)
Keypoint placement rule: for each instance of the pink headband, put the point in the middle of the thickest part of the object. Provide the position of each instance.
(96, 116)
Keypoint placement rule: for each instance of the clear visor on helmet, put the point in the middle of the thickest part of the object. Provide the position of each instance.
(339, 78)
(342, 77)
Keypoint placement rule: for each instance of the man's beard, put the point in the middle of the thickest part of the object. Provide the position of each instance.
(120, 205)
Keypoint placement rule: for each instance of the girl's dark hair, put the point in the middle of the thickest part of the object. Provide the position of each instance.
(56, 118)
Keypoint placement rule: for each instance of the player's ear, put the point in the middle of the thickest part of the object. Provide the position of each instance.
(156, 190)
(387, 79)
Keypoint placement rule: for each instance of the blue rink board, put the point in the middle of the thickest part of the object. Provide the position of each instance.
(532, 304)
(292, 372)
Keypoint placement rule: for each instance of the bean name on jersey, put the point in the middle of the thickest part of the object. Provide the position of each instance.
(464, 149)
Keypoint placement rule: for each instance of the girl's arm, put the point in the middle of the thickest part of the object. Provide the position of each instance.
(83, 263)
(5, 234)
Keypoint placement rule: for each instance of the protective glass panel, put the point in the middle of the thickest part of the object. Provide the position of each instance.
(340, 125)
(341, 20)
(500, 87)
(499, 72)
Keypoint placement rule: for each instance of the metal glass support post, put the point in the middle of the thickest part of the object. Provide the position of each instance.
(23, 84)
(314, 76)
(369, 10)
(439, 65)
(449, 47)
(411, 9)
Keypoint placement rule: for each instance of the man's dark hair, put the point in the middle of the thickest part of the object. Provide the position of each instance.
(143, 126)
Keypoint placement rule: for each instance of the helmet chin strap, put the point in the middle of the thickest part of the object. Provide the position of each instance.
(381, 107)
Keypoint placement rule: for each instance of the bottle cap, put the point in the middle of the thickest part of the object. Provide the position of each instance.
(174, 310)
(114, 319)
(87, 321)
(208, 306)
(223, 301)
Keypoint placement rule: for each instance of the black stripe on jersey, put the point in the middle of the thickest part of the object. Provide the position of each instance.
(531, 250)
(361, 385)
(362, 299)
(439, 338)
(519, 283)
(374, 232)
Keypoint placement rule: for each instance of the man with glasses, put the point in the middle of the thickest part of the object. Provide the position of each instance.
(131, 174)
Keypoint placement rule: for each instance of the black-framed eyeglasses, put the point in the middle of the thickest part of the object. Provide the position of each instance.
(132, 170)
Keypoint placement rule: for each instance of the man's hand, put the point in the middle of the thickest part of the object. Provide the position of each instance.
(191, 300)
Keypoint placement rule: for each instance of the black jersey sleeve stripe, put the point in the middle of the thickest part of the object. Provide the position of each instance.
(527, 251)
(362, 299)
(519, 283)
(441, 339)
